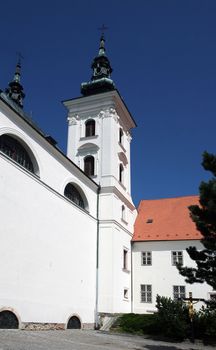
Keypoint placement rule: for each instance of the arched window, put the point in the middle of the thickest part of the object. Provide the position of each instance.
(89, 165)
(90, 128)
(72, 193)
(8, 320)
(121, 170)
(74, 323)
(15, 150)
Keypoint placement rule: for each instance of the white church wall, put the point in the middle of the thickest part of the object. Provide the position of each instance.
(161, 274)
(54, 169)
(48, 251)
(47, 242)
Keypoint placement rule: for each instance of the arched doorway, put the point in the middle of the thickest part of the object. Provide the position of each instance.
(74, 323)
(8, 320)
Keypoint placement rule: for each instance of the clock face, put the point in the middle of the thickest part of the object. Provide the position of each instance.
(100, 70)
(103, 70)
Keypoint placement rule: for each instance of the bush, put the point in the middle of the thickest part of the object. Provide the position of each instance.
(135, 323)
(205, 325)
(172, 318)
(171, 322)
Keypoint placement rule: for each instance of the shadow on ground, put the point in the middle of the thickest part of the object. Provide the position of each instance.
(161, 347)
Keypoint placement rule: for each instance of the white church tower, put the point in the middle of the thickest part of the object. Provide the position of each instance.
(99, 138)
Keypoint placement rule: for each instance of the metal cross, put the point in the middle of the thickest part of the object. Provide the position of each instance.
(102, 29)
(20, 56)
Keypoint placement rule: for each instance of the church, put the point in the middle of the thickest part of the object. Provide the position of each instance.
(70, 255)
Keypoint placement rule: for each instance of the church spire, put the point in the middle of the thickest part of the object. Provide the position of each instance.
(101, 78)
(15, 89)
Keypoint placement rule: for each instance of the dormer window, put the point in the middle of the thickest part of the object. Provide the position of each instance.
(90, 128)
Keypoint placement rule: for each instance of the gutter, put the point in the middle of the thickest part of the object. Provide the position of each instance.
(97, 326)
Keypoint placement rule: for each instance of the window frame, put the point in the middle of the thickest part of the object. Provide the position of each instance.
(77, 195)
(121, 173)
(89, 168)
(121, 136)
(148, 256)
(126, 294)
(177, 257)
(123, 213)
(90, 128)
(16, 150)
(146, 293)
(125, 259)
(179, 294)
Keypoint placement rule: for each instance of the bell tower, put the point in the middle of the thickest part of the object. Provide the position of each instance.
(99, 138)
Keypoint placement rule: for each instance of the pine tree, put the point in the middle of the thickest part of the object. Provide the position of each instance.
(204, 216)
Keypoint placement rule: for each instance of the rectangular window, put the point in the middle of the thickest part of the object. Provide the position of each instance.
(125, 259)
(146, 258)
(120, 136)
(125, 293)
(146, 293)
(177, 257)
(178, 292)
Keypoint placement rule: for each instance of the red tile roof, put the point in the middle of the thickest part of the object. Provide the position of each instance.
(165, 219)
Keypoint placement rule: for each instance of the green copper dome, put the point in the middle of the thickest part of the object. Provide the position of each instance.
(101, 78)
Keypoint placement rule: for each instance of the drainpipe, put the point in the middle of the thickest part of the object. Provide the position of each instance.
(97, 326)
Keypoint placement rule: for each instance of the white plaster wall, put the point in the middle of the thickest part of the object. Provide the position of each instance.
(55, 170)
(162, 275)
(113, 279)
(111, 209)
(47, 251)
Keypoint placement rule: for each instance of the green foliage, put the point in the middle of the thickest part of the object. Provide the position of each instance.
(205, 324)
(136, 323)
(204, 217)
(172, 318)
(171, 322)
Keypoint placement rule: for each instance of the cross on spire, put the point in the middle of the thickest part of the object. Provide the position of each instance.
(102, 29)
(20, 57)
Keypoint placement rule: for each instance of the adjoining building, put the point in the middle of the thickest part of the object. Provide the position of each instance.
(162, 232)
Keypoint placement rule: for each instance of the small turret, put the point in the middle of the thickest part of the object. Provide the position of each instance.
(15, 89)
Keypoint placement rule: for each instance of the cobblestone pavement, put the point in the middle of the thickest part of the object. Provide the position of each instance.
(85, 340)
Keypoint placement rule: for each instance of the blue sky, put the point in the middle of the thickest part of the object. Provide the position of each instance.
(163, 54)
